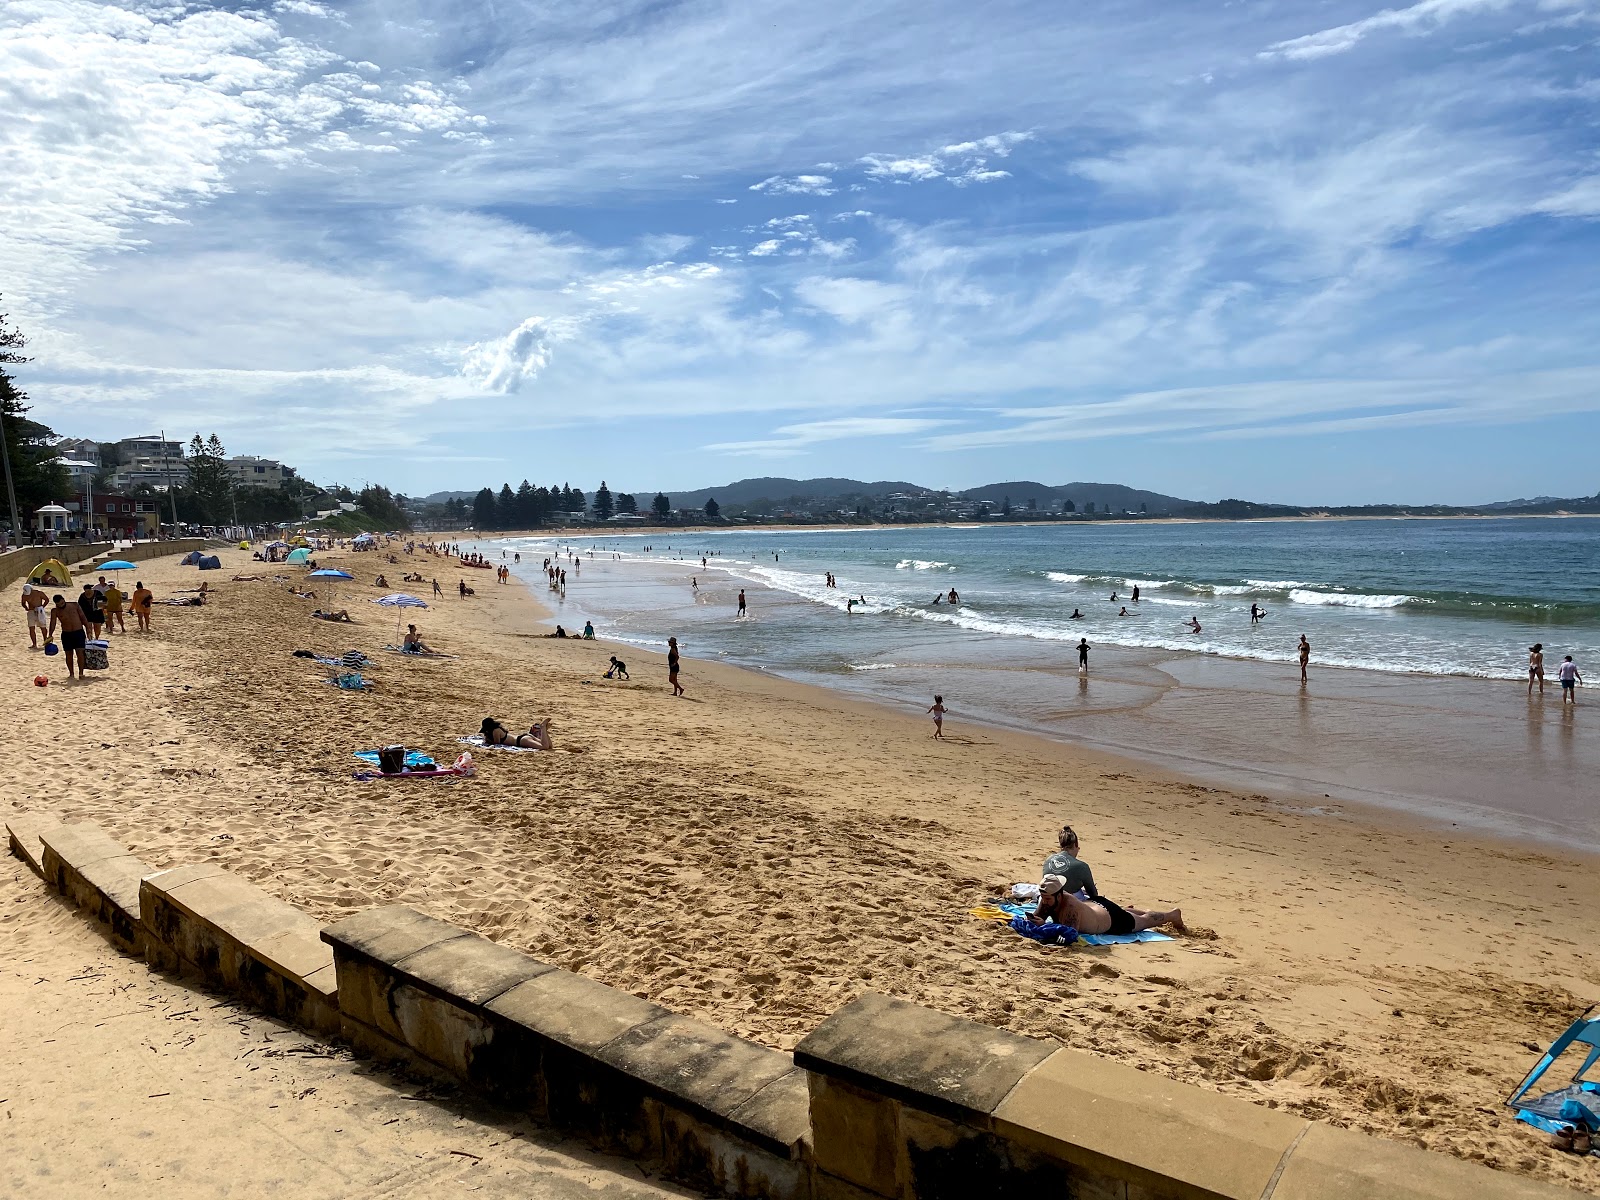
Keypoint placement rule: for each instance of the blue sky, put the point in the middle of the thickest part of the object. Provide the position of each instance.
(1315, 251)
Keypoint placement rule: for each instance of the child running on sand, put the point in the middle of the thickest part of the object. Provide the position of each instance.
(937, 709)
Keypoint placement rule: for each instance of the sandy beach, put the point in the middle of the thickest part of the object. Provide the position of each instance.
(759, 851)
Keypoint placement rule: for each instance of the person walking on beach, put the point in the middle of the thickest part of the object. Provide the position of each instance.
(937, 709)
(437, 590)
(672, 666)
(1305, 656)
(1083, 654)
(1567, 673)
(741, 602)
(113, 603)
(73, 637)
(1536, 667)
(143, 598)
(33, 604)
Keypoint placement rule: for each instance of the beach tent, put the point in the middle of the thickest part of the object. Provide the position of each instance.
(210, 563)
(298, 556)
(191, 559)
(277, 545)
(1578, 1103)
(244, 545)
(56, 567)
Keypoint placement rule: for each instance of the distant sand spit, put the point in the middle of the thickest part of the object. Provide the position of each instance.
(759, 851)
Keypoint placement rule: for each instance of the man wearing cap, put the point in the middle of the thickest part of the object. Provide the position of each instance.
(1097, 914)
(33, 602)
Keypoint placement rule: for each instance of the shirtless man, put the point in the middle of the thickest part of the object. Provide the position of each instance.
(143, 597)
(1536, 667)
(33, 604)
(1097, 915)
(73, 638)
(1305, 656)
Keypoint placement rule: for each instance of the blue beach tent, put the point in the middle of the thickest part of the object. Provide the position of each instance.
(191, 559)
(1578, 1103)
(210, 563)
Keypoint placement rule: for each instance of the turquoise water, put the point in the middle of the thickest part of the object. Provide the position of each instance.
(1432, 597)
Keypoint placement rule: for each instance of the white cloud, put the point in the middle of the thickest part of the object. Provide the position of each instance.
(961, 162)
(795, 439)
(1428, 14)
(763, 249)
(798, 185)
(505, 364)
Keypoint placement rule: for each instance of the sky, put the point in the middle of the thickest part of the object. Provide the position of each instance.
(1309, 252)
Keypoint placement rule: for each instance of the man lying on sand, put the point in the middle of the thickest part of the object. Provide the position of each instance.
(1095, 915)
(342, 615)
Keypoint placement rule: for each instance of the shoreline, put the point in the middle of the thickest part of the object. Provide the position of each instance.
(762, 851)
(1157, 707)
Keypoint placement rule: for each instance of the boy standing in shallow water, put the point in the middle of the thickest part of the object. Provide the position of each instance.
(937, 709)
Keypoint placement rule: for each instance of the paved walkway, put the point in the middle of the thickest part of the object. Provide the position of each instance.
(118, 1081)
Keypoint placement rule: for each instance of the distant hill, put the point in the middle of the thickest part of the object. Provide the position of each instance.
(443, 497)
(777, 490)
(1114, 497)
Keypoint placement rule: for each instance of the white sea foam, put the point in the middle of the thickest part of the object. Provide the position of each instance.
(873, 666)
(1347, 599)
(920, 564)
(1063, 577)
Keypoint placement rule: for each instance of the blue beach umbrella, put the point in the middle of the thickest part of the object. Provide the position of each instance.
(330, 573)
(117, 564)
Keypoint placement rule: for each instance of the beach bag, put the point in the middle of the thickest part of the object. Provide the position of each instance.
(96, 655)
(392, 759)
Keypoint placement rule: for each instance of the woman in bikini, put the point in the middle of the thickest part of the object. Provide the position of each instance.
(1536, 667)
(537, 737)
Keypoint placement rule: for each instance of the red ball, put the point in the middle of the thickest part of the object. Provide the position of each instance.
(41, 680)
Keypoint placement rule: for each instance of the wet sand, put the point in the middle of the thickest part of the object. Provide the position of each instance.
(761, 851)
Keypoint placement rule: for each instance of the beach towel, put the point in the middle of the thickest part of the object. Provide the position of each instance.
(461, 768)
(477, 740)
(350, 681)
(414, 758)
(418, 653)
(1015, 915)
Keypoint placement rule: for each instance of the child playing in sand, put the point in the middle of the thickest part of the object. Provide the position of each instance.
(937, 709)
(619, 669)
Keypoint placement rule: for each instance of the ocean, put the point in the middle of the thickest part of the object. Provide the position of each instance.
(1418, 614)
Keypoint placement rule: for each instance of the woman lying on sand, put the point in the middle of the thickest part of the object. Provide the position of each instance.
(1097, 914)
(537, 737)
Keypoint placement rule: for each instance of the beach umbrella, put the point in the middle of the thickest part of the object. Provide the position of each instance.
(276, 545)
(330, 573)
(397, 601)
(117, 564)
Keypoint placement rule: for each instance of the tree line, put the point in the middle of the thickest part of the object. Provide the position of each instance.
(529, 507)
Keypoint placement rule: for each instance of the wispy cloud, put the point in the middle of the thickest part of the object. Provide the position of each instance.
(796, 439)
(798, 185)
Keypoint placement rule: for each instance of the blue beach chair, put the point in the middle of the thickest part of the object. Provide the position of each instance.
(1578, 1103)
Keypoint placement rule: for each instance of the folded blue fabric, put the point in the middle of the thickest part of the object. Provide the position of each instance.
(1049, 932)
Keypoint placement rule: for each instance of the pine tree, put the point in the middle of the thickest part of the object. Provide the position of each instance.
(527, 506)
(713, 508)
(662, 505)
(37, 477)
(483, 510)
(603, 507)
(505, 508)
(626, 503)
(210, 487)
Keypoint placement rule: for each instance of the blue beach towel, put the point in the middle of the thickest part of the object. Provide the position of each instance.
(415, 759)
(1022, 925)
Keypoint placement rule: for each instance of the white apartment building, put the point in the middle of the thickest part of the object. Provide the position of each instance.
(248, 470)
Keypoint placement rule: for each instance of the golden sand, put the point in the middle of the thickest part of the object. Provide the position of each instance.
(759, 852)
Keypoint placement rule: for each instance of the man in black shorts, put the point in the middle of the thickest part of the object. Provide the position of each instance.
(73, 638)
(1097, 914)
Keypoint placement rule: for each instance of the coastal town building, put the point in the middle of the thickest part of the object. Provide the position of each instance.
(248, 470)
